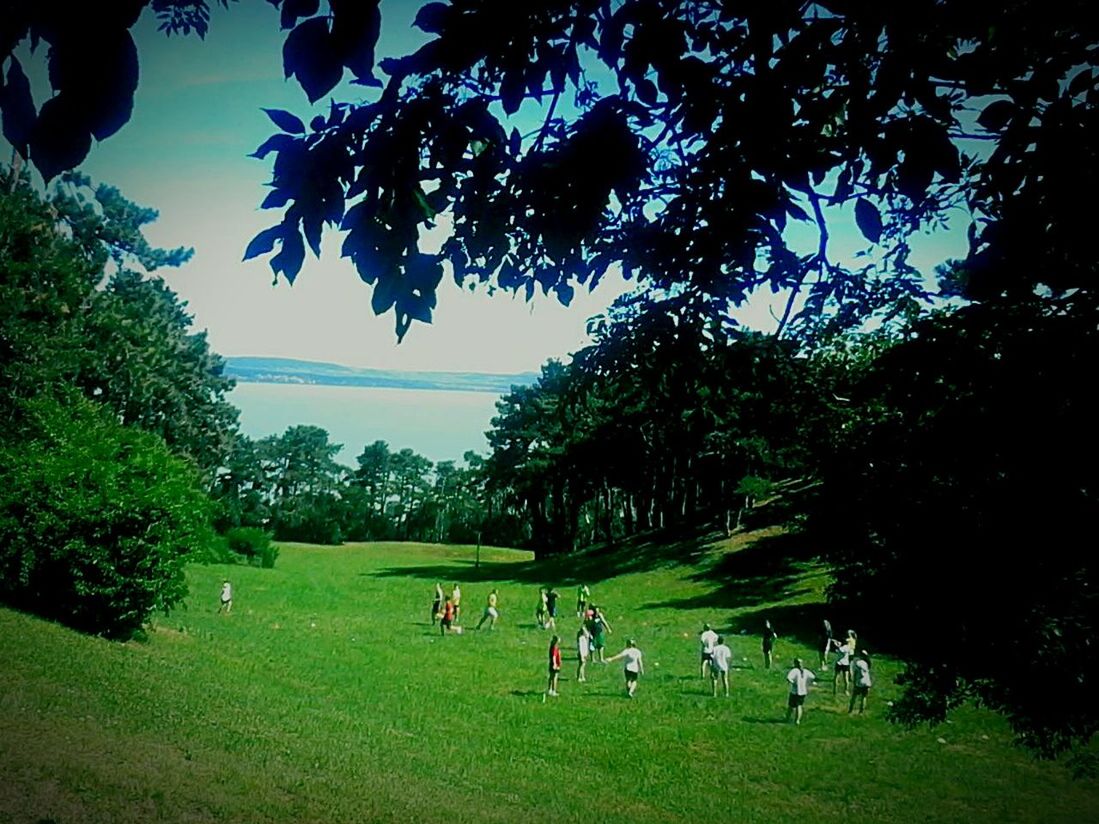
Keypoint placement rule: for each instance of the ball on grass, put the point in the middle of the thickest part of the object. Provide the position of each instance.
(458, 630)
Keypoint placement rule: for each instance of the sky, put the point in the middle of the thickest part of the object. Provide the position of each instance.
(198, 114)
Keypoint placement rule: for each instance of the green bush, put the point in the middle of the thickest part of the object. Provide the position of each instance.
(96, 519)
(252, 544)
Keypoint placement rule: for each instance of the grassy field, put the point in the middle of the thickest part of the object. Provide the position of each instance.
(327, 696)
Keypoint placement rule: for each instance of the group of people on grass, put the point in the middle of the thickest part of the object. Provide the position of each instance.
(851, 665)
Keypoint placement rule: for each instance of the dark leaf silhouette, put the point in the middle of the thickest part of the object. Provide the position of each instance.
(868, 219)
(17, 107)
(287, 122)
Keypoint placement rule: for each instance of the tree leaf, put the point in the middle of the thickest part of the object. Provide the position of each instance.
(995, 115)
(263, 243)
(60, 139)
(293, 9)
(292, 254)
(512, 89)
(868, 219)
(646, 91)
(275, 143)
(310, 56)
(432, 18)
(287, 122)
(356, 25)
(17, 108)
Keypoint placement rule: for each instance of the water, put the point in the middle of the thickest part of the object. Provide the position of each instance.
(440, 425)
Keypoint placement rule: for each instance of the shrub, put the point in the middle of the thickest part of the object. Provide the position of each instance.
(253, 544)
(96, 519)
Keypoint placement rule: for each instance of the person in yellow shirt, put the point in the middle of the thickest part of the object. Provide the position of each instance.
(491, 613)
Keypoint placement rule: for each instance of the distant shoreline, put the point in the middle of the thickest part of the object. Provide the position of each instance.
(290, 371)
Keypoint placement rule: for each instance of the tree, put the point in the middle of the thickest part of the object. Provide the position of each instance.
(677, 139)
(126, 343)
(96, 519)
(958, 511)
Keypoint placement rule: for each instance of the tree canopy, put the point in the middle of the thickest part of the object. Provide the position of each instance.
(678, 139)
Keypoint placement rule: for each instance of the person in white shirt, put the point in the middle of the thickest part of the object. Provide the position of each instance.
(844, 654)
(583, 652)
(799, 678)
(719, 666)
(707, 639)
(226, 598)
(633, 669)
(861, 668)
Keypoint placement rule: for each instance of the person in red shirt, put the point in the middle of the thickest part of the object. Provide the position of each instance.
(448, 617)
(554, 665)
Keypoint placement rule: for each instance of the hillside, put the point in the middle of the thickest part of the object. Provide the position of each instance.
(328, 696)
(287, 370)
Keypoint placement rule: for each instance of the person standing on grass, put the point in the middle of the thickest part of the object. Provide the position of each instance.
(551, 608)
(448, 617)
(583, 595)
(824, 643)
(634, 667)
(456, 600)
(707, 639)
(540, 611)
(436, 603)
(721, 661)
(583, 652)
(769, 638)
(554, 665)
(845, 655)
(226, 598)
(491, 613)
(799, 678)
(861, 666)
(600, 628)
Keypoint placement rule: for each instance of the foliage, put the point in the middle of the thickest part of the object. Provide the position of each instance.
(128, 342)
(679, 139)
(253, 545)
(96, 519)
(958, 509)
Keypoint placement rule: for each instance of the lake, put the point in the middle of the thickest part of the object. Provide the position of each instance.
(440, 425)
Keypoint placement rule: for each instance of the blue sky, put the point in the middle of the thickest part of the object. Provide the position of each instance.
(196, 117)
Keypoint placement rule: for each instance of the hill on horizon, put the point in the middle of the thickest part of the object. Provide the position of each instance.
(253, 369)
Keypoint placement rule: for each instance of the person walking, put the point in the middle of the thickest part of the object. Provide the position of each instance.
(707, 640)
(634, 667)
(600, 628)
(554, 665)
(491, 613)
(551, 609)
(799, 679)
(540, 610)
(721, 661)
(861, 668)
(447, 620)
(583, 653)
(583, 595)
(456, 600)
(226, 598)
(437, 603)
(845, 654)
(769, 638)
(824, 643)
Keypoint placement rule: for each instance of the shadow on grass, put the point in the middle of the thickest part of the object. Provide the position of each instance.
(768, 569)
(591, 566)
(777, 720)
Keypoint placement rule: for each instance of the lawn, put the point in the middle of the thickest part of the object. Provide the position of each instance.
(327, 696)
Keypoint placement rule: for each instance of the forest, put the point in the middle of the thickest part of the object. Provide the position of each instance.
(933, 431)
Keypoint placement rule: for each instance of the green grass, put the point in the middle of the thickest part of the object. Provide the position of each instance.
(327, 696)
